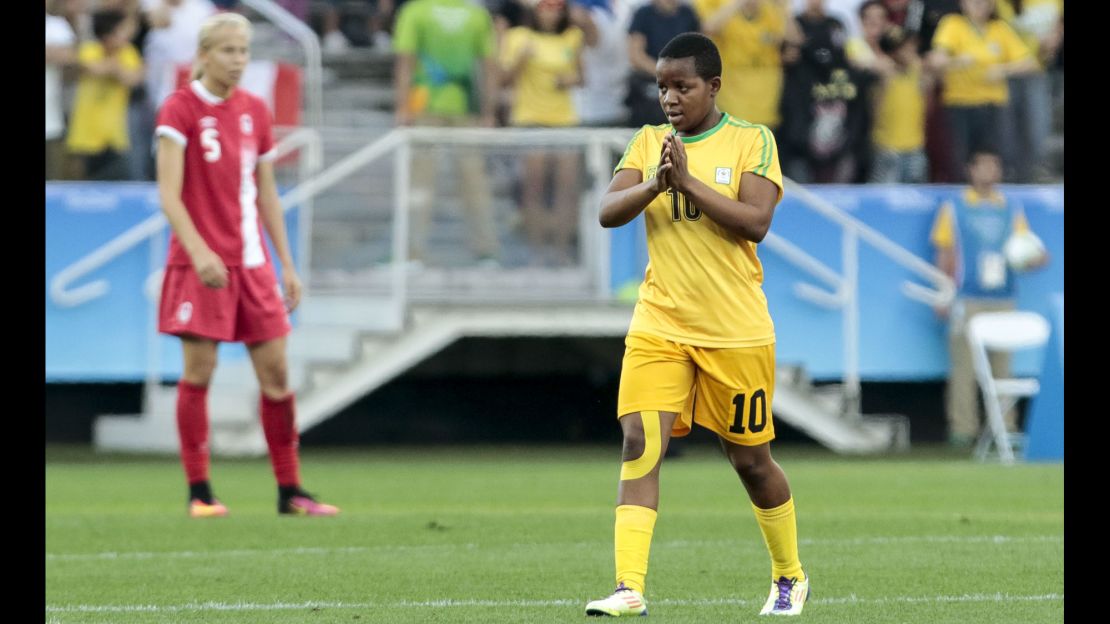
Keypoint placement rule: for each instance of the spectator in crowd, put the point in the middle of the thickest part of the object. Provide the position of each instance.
(140, 117)
(899, 129)
(970, 233)
(749, 35)
(1030, 113)
(825, 132)
(61, 51)
(542, 62)
(653, 25)
(110, 67)
(976, 53)
(445, 75)
(600, 101)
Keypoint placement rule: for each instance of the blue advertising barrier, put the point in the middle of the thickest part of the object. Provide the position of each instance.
(900, 339)
(107, 338)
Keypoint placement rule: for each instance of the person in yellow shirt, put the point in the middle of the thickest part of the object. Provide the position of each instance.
(701, 344)
(542, 62)
(749, 35)
(110, 66)
(898, 134)
(977, 53)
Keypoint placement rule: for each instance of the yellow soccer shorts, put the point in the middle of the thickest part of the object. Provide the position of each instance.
(727, 391)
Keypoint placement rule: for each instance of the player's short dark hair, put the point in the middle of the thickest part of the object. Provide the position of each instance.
(707, 60)
(106, 21)
(985, 150)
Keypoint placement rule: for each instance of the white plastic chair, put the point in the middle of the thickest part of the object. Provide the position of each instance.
(1002, 332)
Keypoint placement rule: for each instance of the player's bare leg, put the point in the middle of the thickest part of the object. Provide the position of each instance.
(563, 222)
(280, 427)
(773, 505)
(533, 215)
(646, 435)
(200, 356)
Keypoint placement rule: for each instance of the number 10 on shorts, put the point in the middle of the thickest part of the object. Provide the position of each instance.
(756, 410)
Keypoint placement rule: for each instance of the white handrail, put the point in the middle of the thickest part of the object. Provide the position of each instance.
(65, 295)
(946, 287)
(847, 295)
(314, 66)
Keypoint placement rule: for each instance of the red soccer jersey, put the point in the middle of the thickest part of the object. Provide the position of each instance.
(224, 140)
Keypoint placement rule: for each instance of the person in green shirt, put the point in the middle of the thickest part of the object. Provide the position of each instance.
(444, 75)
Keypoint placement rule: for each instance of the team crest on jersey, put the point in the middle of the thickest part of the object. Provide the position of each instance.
(208, 122)
(185, 312)
(724, 175)
(651, 171)
(246, 124)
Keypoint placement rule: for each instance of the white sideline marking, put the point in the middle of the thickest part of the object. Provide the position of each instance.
(431, 604)
(957, 539)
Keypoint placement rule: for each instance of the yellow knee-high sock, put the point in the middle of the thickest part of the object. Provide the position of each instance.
(780, 532)
(632, 542)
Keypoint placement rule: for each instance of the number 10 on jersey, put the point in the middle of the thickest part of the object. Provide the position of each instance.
(682, 206)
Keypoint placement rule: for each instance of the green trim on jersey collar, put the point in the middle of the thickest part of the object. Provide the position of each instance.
(708, 133)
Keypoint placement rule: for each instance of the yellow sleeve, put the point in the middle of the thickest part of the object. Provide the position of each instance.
(856, 50)
(762, 158)
(947, 36)
(1005, 10)
(575, 38)
(90, 52)
(130, 59)
(1021, 225)
(510, 48)
(943, 235)
(633, 154)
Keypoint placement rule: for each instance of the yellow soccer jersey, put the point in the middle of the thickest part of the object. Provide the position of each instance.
(537, 100)
(994, 45)
(703, 285)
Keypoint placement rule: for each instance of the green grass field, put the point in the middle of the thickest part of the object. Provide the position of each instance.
(525, 535)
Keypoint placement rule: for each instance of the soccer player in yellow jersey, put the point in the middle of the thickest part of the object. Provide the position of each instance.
(701, 345)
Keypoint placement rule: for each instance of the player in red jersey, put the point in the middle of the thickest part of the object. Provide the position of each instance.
(216, 184)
